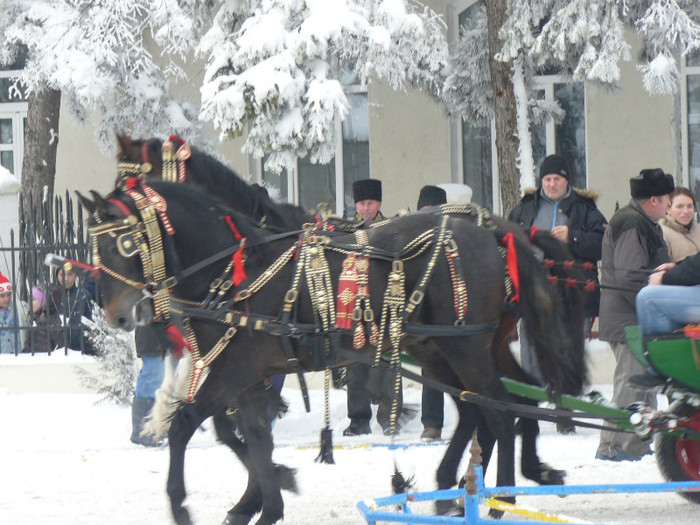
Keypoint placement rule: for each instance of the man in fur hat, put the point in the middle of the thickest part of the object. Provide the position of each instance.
(633, 244)
(368, 203)
(572, 217)
(368, 200)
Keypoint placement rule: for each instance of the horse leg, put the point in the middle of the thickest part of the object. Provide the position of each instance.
(447, 471)
(530, 464)
(254, 425)
(251, 501)
(185, 421)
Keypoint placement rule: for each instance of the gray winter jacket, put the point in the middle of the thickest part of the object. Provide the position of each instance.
(633, 241)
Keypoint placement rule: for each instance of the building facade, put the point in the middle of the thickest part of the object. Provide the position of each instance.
(405, 139)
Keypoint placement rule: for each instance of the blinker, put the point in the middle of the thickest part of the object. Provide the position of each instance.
(126, 245)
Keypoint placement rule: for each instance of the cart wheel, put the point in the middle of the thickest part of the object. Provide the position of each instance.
(679, 459)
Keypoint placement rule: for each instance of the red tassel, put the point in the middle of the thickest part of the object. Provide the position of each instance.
(238, 267)
(177, 339)
(533, 231)
(233, 228)
(347, 293)
(512, 265)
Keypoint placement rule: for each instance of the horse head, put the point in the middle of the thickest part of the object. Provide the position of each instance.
(114, 251)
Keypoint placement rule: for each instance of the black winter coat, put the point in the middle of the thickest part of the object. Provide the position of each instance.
(685, 273)
(586, 229)
(151, 340)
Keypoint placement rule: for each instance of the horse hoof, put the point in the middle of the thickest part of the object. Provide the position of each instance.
(496, 514)
(236, 519)
(182, 516)
(448, 507)
(545, 474)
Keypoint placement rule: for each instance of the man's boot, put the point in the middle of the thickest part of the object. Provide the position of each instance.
(139, 410)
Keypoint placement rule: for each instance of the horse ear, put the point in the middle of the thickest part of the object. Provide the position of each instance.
(129, 149)
(87, 203)
(102, 205)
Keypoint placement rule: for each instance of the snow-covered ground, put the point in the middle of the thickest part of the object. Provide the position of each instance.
(66, 460)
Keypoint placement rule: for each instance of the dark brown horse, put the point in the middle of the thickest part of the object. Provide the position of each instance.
(459, 359)
(215, 178)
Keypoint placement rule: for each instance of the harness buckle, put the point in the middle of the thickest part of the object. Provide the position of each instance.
(291, 296)
(357, 314)
(416, 297)
(225, 287)
(243, 294)
(215, 284)
(230, 332)
(368, 315)
(397, 266)
(450, 245)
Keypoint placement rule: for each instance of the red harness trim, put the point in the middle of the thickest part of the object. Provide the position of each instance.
(238, 262)
(508, 242)
(122, 207)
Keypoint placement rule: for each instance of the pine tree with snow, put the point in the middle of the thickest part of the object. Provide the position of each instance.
(116, 357)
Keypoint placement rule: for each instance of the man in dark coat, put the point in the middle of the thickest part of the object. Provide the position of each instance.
(632, 245)
(432, 401)
(570, 214)
(368, 202)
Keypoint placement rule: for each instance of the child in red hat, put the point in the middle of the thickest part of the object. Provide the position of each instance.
(8, 319)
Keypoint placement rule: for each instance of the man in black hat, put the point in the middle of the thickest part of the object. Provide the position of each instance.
(432, 401)
(572, 216)
(633, 244)
(367, 194)
(368, 200)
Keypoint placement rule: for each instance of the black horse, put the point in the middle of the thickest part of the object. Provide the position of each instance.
(215, 178)
(464, 362)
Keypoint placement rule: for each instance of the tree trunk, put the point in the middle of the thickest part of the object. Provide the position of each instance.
(504, 110)
(40, 146)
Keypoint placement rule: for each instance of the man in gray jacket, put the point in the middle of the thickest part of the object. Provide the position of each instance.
(633, 245)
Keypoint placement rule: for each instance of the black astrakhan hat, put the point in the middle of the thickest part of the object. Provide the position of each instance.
(367, 189)
(651, 183)
(431, 196)
(554, 164)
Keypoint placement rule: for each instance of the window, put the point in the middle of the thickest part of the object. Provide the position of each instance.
(691, 129)
(13, 116)
(311, 184)
(475, 149)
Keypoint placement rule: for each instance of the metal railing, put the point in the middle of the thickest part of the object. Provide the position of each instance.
(54, 226)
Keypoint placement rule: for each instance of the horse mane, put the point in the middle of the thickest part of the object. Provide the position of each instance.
(217, 179)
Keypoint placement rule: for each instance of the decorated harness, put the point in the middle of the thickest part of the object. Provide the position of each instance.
(349, 309)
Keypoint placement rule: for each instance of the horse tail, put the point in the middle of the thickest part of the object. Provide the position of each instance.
(545, 309)
(572, 296)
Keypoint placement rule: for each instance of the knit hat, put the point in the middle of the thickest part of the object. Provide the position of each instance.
(39, 295)
(367, 189)
(554, 164)
(431, 196)
(651, 183)
(5, 285)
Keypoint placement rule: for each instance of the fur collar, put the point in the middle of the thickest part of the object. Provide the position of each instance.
(581, 192)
